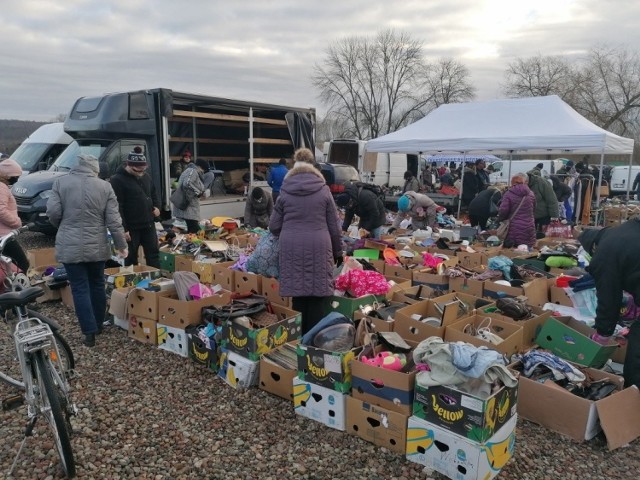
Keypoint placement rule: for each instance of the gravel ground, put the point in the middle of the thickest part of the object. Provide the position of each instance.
(148, 414)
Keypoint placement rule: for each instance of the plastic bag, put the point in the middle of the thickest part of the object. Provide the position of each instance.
(558, 230)
(265, 258)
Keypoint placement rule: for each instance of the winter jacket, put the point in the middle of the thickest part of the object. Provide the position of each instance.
(305, 219)
(636, 186)
(561, 189)
(422, 213)
(483, 179)
(275, 177)
(481, 205)
(522, 229)
(191, 182)
(546, 200)
(257, 211)
(470, 185)
(83, 206)
(368, 206)
(136, 199)
(615, 266)
(411, 185)
(8, 210)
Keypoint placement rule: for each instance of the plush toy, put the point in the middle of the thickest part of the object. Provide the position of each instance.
(388, 360)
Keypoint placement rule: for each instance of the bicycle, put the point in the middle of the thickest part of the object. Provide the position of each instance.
(45, 359)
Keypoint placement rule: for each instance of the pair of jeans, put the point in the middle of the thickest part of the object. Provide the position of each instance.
(311, 309)
(148, 239)
(89, 296)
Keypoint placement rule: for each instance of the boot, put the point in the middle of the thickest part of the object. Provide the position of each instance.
(89, 340)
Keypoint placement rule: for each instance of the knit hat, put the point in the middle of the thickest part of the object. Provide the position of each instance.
(342, 200)
(187, 154)
(256, 193)
(136, 158)
(10, 168)
(203, 164)
(89, 161)
(404, 204)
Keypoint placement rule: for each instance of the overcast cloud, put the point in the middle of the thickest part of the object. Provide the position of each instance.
(54, 51)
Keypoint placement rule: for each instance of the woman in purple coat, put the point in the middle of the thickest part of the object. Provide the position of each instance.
(306, 221)
(522, 228)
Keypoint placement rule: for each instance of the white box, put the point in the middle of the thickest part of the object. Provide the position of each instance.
(121, 322)
(320, 404)
(238, 371)
(458, 457)
(173, 340)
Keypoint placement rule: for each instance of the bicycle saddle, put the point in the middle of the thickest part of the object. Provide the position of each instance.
(20, 297)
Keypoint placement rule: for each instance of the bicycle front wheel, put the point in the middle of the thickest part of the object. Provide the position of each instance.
(54, 409)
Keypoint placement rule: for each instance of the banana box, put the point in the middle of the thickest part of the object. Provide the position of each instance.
(456, 456)
(326, 368)
(253, 342)
(237, 371)
(474, 418)
(143, 329)
(202, 351)
(320, 404)
(172, 340)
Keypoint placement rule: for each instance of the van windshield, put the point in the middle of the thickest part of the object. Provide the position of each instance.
(69, 158)
(29, 154)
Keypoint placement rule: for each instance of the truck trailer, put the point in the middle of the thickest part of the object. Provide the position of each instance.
(231, 135)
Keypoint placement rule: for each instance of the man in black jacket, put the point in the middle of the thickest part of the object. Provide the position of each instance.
(615, 267)
(139, 205)
(367, 205)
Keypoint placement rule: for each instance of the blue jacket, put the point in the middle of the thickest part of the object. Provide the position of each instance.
(276, 177)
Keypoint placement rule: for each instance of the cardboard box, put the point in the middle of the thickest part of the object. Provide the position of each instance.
(67, 297)
(397, 284)
(413, 330)
(390, 389)
(120, 322)
(183, 263)
(466, 285)
(377, 425)
(432, 280)
(413, 295)
(144, 303)
(204, 270)
(200, 351)
(168, 261)
(396, 271)
(172, 339)
(347, 306)
(570, 339)
(319, 403)
(457, 457)
(42, 257)
(326, 368)
(580, 419)
(276, 379)
(248, 282)
(469, 416)
(559, 296)
(118, 302)
(271, 290)
(237, 372)
(530, 327)
(143, 329)
(120, 277)
(253, 342)
(182, 313)
(224, 276)
(536, 291)
(511, 333)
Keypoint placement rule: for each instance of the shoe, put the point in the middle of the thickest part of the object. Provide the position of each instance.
(89, 340)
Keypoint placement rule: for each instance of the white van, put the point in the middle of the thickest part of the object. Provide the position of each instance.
(620, 179)
(40, 149)
(503, 170)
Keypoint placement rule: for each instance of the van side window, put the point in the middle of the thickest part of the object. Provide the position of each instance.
(138, 106)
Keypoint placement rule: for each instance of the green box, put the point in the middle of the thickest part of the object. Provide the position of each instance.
(168, 261)
(347, 306)
(326, 368)
(570, 339)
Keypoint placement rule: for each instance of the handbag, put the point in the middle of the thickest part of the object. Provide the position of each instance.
(265, 259)
(179, 198)
(503, 229)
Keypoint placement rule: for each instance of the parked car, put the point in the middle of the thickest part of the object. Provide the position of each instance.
(338, 175)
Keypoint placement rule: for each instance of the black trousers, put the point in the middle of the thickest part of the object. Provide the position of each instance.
(193, 226)
(14, 251)
(632, 359)
(475, 221)
(148, 239)
(312, 310)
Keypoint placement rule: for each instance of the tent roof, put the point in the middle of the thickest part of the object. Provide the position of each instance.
(461, 158)
(533, 125)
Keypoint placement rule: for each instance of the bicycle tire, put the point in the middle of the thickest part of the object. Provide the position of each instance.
(53, 412)
(68, 360)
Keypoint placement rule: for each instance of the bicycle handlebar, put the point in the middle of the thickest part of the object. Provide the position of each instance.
(14, 233)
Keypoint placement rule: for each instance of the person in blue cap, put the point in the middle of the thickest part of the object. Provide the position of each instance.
(420, 208)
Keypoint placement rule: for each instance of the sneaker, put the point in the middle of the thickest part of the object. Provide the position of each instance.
(89, 340)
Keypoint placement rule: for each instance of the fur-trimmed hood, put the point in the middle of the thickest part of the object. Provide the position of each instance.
(301, 167)
(303, 179)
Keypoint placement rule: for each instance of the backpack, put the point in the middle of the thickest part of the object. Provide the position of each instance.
(377, 189)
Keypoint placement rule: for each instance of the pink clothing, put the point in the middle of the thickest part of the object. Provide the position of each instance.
(9, 219)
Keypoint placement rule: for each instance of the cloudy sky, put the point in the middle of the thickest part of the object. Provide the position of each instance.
(54, 51)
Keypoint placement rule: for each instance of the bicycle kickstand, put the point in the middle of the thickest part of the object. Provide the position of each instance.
(28, 431)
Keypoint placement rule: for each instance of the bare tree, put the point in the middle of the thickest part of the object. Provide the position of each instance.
(538, 76)
(375, 86)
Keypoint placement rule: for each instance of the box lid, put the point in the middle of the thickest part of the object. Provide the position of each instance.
(619, 417)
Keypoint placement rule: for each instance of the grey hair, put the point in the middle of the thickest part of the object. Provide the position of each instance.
(523, 176)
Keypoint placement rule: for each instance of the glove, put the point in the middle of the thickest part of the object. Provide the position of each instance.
(338, 260)
(124, 253)
(391, 230)
(600, 339)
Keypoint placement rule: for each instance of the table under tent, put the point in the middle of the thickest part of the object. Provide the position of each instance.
(533, 126)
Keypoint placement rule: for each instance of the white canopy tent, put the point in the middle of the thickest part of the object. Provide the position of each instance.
(535, 125)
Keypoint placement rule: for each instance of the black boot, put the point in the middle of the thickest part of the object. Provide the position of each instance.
(89, 340)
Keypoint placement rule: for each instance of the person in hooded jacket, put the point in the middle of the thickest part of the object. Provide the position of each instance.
(10, 172)
(484, 206)
(411, 183)
(563, 194)
(275, 177)
(420, 208)
(83, 207)
(367, 205)
(615, 267)
(192, 182)
(139, 206)
(518, 204)
(305, 219)
(258, 208)
(470, 184)
(546, 200)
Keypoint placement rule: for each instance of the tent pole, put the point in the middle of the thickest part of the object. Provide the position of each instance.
(629, 177)
(600, 178)
(464, 163)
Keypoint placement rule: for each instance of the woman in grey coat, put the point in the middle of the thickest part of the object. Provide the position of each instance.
(192, 183)
(306, 221)
(82, 207)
